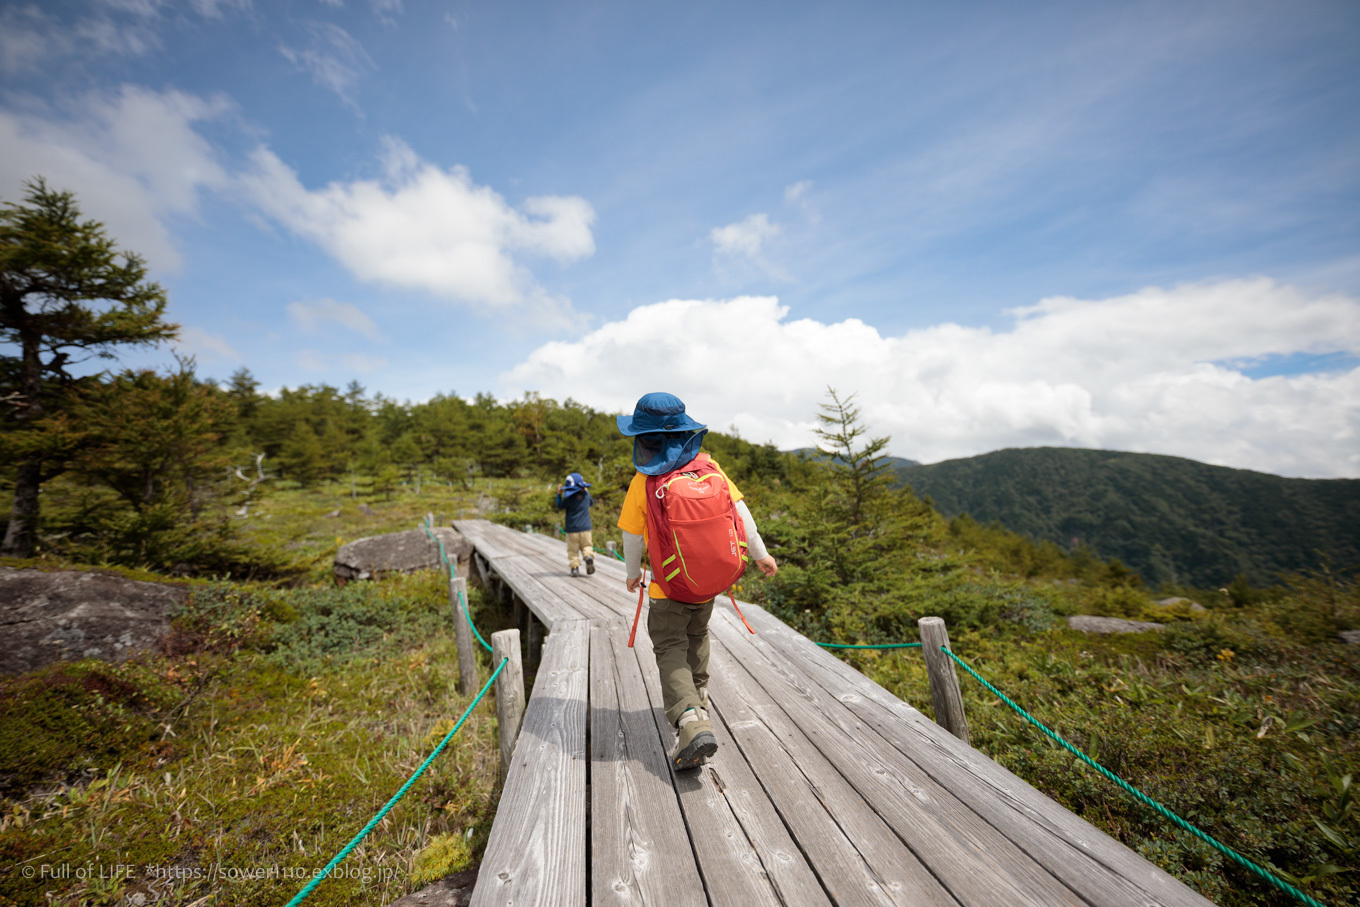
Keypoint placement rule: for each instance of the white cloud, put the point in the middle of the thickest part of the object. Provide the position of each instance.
(333, 58)
(133, 157)
(34, 41)
(422, 227)
(1134, 373)
(745, 242)
(311, 315)
(747, 237)
(793, 194)
(205, 346)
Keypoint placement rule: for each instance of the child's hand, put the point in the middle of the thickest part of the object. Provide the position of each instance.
(633, 582)
(767, 565)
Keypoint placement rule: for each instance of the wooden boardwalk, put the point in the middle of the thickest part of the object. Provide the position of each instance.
(826, 789)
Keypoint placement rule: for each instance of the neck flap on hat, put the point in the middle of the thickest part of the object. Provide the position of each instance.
(655, 455)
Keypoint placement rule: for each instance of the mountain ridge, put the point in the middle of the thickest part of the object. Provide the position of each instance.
(1172, 519)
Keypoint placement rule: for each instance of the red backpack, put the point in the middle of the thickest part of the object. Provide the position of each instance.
(696, 540)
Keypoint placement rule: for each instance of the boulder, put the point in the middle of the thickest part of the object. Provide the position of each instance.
(1350, 636)
(399, 552)
(1087, 623)
(452, 891)
(68, 614)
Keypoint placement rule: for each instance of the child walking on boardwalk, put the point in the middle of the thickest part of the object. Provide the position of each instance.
(573, 497)
(697, 531)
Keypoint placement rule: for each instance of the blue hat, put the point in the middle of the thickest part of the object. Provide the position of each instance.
(657, 412)
(574, 483)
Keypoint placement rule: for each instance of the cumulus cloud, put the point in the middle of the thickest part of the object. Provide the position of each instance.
(746, 237)
(745, 242)
(1142, 372)
(134, 158)
(423, 227)
(332, 57)
(312, 315)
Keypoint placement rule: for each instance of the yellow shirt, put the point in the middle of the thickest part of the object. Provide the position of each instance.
(633, 517)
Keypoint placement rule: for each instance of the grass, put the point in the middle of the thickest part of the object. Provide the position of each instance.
(1251, 748)
(243, 762)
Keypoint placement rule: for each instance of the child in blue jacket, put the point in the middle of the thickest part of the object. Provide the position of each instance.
(573, 497)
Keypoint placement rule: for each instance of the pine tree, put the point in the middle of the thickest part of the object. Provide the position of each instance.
(64, 296)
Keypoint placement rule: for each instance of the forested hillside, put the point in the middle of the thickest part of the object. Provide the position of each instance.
(1173, 520)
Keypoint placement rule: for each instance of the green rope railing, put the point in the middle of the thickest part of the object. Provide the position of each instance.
(401, 792)
(444, 559)
(372, 823)
(1138, 795)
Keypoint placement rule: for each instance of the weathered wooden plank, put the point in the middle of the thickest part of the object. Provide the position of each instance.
(485, 539)
(554, 577)
(518, 574)
(971, 858)
(1093, 864)
(537, 850)
(640, 850)
(854, 852)
(794, 882)
(732, 869)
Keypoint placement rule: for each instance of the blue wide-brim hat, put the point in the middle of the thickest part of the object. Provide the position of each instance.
(657, 412)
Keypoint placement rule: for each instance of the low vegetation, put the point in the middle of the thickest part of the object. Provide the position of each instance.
(276, 721)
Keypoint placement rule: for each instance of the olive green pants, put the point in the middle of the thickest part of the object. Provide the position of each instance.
(679, 634)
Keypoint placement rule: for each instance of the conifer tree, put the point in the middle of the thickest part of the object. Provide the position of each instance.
(66, 293)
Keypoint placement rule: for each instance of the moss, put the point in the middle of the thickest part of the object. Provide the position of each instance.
(70, 719)
(445, 855)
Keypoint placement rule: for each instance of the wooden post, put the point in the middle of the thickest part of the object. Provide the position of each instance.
(509, 693)
(944, 682)
(610, 546)
(462, 635)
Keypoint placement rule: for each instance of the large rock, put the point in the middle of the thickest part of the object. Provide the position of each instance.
(1350, 636)
(47, 617)
(399, 552)
(1089, 624)
(452, 891)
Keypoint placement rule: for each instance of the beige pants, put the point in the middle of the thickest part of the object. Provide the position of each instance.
(578, 546)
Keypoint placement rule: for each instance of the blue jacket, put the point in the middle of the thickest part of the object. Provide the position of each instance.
(577, 507)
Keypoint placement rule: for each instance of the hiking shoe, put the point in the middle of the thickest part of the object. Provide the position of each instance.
(696, 741)
(575, 572)
(590, 565)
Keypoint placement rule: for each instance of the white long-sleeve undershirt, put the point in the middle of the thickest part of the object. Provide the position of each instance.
(633, 546)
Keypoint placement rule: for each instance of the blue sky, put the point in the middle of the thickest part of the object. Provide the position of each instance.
(1128, 226)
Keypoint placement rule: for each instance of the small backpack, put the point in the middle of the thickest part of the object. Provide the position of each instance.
(696, 540)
